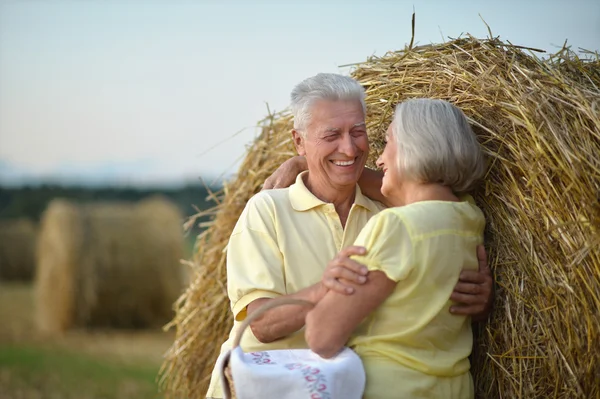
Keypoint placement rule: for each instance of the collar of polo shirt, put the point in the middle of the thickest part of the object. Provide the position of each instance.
(303, 200)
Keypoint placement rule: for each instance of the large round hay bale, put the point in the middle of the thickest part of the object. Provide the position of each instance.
(17, 250)
(539, 121)
(108, 265)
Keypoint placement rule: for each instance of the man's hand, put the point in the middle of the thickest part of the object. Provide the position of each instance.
(342, 271)
(286, 174)
(474, 290)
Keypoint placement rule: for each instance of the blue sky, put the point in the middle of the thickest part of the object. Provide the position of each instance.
(136, 92)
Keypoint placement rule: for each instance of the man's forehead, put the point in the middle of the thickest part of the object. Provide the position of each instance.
(335, 129)
(328, 114)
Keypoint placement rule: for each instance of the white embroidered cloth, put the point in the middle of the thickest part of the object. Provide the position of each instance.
(293, 374)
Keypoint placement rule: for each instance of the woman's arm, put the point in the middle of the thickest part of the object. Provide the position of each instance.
(370, 184)
(330, 324)
(388, 245)
(285, 176)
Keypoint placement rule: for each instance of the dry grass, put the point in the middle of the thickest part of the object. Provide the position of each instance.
(108, 265)
(539, 121)
(205, 303)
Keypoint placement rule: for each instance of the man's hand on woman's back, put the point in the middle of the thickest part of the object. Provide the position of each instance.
(474, 291)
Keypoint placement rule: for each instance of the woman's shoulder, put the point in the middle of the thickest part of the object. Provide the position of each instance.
(388, 220)
(388, 214)
(398, 213)
(429, 216)
(431, 209)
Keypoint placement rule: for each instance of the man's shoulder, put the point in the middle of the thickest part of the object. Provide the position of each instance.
(269, 199)
(262, 210)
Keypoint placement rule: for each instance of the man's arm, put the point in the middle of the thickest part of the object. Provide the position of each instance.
(284, 320)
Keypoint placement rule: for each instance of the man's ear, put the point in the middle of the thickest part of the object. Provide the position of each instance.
(298, 142)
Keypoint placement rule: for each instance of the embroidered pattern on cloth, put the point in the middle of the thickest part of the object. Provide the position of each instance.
(261, 358)
(316, 382)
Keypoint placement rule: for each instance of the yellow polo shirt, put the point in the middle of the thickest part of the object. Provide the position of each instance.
(281, 244)
(411, 345)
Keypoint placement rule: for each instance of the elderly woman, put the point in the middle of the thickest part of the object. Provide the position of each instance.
(398, 322)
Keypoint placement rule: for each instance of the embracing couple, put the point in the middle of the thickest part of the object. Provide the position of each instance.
(393, 261)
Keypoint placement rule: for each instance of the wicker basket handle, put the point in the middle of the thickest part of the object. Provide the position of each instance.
(262, 309)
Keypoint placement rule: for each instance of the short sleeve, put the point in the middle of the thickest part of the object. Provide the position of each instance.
(254, 261)
(388, 244)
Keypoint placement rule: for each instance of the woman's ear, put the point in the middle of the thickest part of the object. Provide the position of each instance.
(298, 142)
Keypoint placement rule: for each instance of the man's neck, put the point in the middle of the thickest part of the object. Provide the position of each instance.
(342, 198)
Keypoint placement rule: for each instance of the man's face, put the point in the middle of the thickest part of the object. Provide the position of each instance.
(335, 145)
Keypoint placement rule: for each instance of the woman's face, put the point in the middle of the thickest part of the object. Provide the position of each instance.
(388, 162)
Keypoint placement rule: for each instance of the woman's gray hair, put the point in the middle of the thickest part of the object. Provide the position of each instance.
(324, 86)
(436, 144)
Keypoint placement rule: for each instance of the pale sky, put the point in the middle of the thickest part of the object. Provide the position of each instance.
(137, 91)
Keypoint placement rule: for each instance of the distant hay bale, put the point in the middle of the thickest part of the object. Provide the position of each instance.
(539, 121)
(108, 265)
(17, 250)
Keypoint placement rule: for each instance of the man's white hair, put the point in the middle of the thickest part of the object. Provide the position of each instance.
(436, 144)
(324, 86)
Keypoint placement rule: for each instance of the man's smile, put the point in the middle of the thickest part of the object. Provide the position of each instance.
(344, 163)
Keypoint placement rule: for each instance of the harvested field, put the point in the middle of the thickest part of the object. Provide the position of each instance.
(109, 364)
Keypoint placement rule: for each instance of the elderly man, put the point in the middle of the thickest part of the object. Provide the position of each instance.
(284, 241)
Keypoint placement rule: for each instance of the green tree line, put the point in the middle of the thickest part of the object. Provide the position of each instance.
(31, 201)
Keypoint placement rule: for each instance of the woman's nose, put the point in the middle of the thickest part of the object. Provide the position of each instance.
(379, 162)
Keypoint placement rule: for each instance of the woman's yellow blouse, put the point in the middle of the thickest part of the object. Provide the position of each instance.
(423, 247)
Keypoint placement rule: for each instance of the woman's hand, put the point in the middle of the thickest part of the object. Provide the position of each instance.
(286, 174)
(474, 291)
(342, 272)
